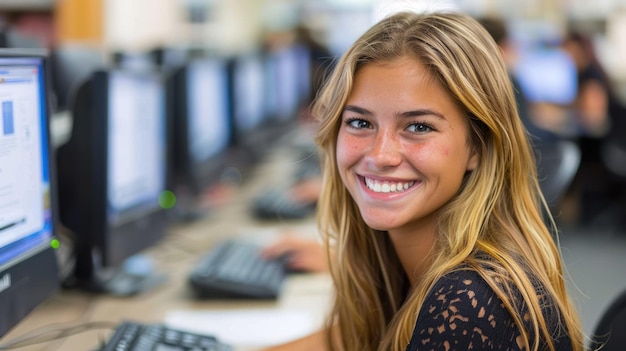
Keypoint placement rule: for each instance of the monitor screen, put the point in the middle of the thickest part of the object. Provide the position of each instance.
(288, 81)
(28, 270)
(248, 94)
(136, 146)
(201, 130)
(547, 75)
(112, 173)
(200, 122)
(208, 109)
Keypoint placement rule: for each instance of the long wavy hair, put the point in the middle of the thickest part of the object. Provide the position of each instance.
(497, 213)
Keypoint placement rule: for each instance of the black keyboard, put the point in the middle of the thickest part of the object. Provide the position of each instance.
(234, 269)
(137, 336)
(273, 204)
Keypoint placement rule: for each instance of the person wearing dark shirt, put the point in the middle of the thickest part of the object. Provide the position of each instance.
(597, 105)
(430, 208)
(601, 116)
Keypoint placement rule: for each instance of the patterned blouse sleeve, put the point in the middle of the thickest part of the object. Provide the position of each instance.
(462, 312)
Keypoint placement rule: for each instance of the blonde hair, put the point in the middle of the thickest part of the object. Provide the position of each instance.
(497, 211)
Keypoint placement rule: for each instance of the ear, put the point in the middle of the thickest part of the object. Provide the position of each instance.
(472, 162)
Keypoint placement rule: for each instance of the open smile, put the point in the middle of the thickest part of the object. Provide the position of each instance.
(386, 186)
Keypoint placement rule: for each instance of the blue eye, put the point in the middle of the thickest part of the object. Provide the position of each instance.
(358, 123)
(420, 128)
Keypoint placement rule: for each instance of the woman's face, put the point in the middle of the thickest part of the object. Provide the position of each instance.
(402, 148)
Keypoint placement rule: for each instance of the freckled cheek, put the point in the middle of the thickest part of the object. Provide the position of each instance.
(349, 150)
(430, 153)
(424, 152)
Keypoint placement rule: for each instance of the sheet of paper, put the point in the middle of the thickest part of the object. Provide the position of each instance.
(248, 327)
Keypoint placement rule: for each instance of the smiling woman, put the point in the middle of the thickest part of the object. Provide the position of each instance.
(402, 130)
(431, 207)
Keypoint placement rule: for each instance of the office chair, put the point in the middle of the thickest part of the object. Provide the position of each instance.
(557, 164)
(610, 332)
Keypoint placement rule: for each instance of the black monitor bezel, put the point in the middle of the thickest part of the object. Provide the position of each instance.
(126, 237)
(35, 276)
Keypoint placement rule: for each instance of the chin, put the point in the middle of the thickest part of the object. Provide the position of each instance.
(379, 225)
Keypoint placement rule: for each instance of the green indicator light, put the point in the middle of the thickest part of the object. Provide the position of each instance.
(167, 199)
(54, 243)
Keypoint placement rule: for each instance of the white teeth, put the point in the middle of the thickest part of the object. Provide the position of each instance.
(387, 187)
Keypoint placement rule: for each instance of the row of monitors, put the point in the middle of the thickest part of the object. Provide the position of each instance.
(135, 134)
(150, 132)
(264, 91)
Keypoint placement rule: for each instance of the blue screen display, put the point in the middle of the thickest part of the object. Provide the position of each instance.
(207, 103)
(136, 144)
(26, 223)
(547, 75)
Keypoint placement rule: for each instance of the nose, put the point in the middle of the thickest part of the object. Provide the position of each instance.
(385, 151)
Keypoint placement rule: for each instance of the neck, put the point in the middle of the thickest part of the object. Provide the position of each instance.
(414, 249)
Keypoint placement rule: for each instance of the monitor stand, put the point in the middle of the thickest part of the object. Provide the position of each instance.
(187, 208)
(193, 206)
(188, 212)
(136, 276)
(123, 283)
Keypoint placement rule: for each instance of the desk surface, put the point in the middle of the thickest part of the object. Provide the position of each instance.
(175, 256)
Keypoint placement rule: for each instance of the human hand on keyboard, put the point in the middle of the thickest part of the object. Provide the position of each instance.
(299, 254)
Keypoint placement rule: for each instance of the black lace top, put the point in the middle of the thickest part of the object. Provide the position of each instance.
(462, 312)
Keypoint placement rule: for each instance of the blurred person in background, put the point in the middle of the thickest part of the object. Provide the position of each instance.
(598, 112)
(596, 103)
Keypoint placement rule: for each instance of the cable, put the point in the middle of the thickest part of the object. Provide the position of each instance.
(51, 333)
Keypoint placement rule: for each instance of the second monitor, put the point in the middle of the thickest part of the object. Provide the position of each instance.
(112, 174)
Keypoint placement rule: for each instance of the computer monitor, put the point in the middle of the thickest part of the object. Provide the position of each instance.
(134, 60)
(169, 58)
(268, 90)
(112, 178)
(250, 118)
(547, 75)
(28, 265)
(201, 129)
(247, 83)
(288, 82)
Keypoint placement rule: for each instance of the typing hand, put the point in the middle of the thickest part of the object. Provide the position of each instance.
(301, 254)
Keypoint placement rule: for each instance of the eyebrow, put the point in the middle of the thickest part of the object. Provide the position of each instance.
(411, 113)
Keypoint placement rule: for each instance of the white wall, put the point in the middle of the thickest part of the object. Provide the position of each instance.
(139, 24)
(133, 25)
